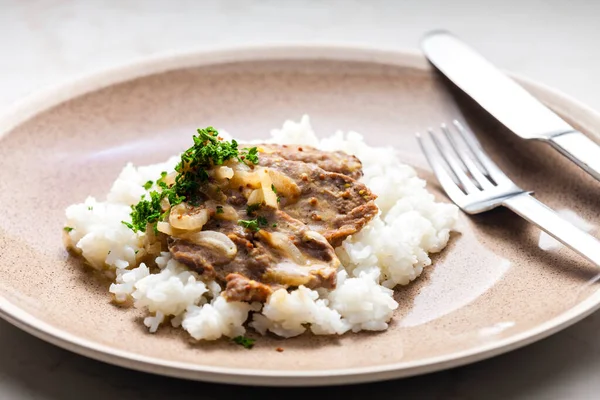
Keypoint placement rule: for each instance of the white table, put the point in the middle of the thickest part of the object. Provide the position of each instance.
(45, 43)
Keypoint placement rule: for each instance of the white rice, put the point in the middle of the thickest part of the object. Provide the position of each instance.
(391, 250)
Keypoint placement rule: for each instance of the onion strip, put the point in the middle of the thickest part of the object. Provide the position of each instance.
(284, 185)
(285, 244)
(214, 239)
(256, 197)
(181, 217)
(267, 188)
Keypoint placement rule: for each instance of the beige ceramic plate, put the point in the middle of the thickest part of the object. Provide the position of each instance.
(492, 290)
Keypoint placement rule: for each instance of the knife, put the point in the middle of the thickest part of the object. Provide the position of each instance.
(508, 102)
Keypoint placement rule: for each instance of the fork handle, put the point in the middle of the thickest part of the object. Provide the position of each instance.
(550, 222)
(580, 149)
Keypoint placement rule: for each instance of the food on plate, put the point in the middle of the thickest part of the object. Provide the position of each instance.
(271, 222)
(280, 235)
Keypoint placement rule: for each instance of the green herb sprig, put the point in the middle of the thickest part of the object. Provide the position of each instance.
(253, 224)
(208, 150)
(244, 341)
(250, 224)
(250, 154)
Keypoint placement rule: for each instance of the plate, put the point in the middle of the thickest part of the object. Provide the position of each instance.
(498, 286)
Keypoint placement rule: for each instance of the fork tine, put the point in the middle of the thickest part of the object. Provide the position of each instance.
(451, 160)
(435, 161)
(490, 168)
(442, 161)
(467, 162)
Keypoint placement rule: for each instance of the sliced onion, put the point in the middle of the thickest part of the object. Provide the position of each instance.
(316, 236)
(256, 197)
(228, 212)
(181, 217)
(289, 273)
(285, 244)
(245, 178)
(284, 185)
(238, 166)
(165, 204)
(152, 244)
(165, 228)
(267, 189)
(150, 234)
(218, 240)
(153, 248)
(222, 172)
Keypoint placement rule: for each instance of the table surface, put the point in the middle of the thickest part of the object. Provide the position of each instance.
(49, 42)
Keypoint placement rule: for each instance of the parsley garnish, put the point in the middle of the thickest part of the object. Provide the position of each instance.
(273, 188)
(150, 211)
(262, 221)
(251, 224)
(145, 212)
(274, 225)
(162, 185)
(127, 224)
(68, 229)
(248, 343)
(208, 150)
(161, 181)
(90, 208)
(220, 210)
(251, 208)
(250, 154)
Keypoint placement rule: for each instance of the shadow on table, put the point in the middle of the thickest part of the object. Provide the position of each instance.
(551, 368)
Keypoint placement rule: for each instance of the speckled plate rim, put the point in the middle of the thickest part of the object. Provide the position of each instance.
(42, 101)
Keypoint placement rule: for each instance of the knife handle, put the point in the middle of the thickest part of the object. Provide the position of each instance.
(539, 214)
(580, 149)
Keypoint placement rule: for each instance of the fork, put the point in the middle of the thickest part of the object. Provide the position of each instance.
(476, 184)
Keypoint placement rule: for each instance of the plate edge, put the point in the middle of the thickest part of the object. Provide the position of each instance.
(39, 102)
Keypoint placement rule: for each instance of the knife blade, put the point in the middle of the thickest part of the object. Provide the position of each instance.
(507, 101)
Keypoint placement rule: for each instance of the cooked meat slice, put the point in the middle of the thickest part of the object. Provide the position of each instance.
(242, 288)
(332, 204)
(201, 259)
(295, 205)
(306, 256)
(251, 259)
(283, 253)
(351, 223)
(332, 161)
